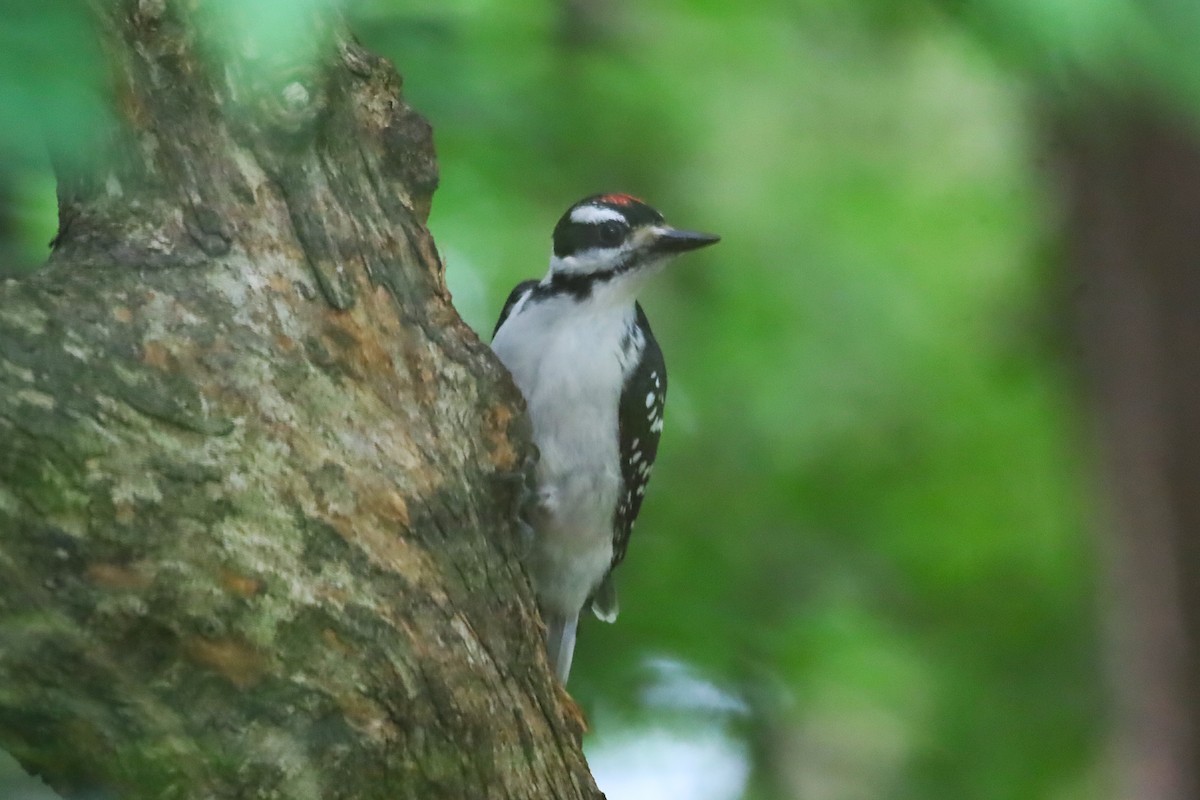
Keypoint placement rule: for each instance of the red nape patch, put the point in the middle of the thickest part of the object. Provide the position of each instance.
(619, 199)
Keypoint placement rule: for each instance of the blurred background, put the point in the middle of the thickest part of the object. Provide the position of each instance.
(870, 564)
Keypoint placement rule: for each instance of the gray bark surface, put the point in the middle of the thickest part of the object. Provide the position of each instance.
(255, 533)
(1130, 169)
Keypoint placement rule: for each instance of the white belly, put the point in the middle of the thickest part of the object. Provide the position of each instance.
(571, 378)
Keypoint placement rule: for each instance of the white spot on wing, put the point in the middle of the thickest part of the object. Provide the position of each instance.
(649, 399)
(520, 304)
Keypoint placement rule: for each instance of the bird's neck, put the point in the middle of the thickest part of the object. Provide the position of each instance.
(601, 291)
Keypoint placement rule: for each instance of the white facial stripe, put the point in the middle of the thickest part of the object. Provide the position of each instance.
(578, 264)
(644, 236)
(595, 214)
(600, 258)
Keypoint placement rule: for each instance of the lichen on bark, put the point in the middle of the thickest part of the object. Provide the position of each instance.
(255, 482)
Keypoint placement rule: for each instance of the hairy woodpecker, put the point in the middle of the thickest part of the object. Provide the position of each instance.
(581, 351)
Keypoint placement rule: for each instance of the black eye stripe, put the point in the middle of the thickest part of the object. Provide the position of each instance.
(612, 233)
(575, 237)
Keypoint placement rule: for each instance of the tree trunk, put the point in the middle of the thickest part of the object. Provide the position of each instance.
(256, 492)
(1131, 170)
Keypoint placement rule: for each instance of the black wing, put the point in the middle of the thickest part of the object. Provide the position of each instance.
(513, 296)
(640, 421)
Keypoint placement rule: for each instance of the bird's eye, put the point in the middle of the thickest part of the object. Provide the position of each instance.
(612, 233)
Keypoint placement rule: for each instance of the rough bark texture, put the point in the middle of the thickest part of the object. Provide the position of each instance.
(1131, 170)
(255, 529)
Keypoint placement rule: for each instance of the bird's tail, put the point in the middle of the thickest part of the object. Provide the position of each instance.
(604, 599)
(560, 643)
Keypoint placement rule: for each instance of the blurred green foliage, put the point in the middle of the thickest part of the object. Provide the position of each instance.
(868, 523)
(868, 514)
(52, 99)
(51, 82)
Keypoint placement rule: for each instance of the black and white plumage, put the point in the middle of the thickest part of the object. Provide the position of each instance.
(582, 353)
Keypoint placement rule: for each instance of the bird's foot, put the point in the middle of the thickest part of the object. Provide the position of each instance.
(520, 487)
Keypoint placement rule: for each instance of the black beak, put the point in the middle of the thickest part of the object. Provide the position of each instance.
(677, 241)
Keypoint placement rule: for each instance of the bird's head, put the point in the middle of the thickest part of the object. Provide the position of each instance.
(615, 239)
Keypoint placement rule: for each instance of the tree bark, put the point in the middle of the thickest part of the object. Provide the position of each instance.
(1131, 178)
(256, 493)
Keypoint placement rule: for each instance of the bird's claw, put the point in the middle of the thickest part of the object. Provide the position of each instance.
(520, 484)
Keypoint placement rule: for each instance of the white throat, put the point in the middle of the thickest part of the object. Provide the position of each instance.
(619, 290)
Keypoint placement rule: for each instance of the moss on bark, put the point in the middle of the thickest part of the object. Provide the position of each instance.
(255, 539)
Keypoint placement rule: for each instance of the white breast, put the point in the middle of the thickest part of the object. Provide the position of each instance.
(567, 363)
